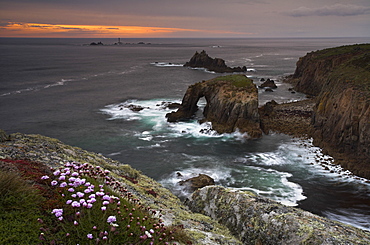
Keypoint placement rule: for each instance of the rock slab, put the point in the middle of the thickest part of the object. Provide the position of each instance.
(258, 220)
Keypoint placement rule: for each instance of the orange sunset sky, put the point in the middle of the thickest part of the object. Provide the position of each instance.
(192, 18)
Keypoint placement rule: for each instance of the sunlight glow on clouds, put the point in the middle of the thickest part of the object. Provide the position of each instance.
(17, 29)
(333, 10)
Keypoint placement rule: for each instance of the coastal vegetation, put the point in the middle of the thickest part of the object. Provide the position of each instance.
(34, 157)
(239, 81)
(75, 204)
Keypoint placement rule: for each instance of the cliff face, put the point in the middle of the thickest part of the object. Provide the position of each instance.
(340, 80)
(202, 60)
(258, 220)
(232, 104)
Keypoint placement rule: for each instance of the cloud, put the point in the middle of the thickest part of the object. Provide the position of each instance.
(333, 10)
(20, 29)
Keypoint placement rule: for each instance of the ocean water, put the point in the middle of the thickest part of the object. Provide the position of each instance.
(79, 94)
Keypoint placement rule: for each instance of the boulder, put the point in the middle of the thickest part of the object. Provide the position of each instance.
(202, 60)
(258, 220)
(3, 136)
(200, 181)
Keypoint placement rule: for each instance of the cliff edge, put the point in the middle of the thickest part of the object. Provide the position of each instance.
(339, 78)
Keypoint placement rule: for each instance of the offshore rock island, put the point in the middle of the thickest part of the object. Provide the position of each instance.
(232, 104)
(202, 60)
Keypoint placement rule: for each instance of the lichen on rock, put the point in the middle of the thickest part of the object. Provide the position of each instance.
(258, 220)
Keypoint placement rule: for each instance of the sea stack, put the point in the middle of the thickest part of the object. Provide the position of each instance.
(232, 104)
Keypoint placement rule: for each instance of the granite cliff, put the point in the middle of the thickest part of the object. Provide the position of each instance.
(202, 60)
(232, 104)
(339, 78)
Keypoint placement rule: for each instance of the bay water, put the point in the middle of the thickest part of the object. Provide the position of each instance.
(67, 89)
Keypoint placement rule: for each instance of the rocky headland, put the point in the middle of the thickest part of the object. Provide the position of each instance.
(212, 215)
(202, 60)
(339, 79)
(232, 104)
(44, 152)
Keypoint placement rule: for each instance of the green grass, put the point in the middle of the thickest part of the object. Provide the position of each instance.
(19, 210)
(342, 50)
(239, 81)
(30, 199)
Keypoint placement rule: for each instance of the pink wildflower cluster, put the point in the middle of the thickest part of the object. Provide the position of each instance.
(86, 199)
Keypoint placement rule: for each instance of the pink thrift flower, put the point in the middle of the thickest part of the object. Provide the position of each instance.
(80, 194)
(106, 197)
(76, 204)
(111, 219)
(45, 177)
(54, 182)
(57, 172)
(90, 236)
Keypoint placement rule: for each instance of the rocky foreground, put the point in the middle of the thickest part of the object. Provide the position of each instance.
(219, 216)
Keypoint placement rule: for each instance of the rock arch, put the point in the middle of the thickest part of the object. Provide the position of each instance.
(230, 105)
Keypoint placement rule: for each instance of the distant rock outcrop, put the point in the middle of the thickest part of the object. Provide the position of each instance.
(340, 80)
(202, 60)
(232, 104)
(259, 220)
(268, 84)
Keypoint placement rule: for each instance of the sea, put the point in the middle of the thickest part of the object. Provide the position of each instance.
(80, 94)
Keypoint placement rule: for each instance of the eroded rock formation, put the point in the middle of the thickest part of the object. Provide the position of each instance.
(340, 80)
(258, 220)
(202, 60)
(232, 104)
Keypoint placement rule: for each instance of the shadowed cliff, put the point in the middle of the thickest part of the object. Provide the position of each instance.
(340, 80)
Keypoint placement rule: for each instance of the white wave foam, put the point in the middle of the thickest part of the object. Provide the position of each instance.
(38, 87)
(269, 183)
(166, 64)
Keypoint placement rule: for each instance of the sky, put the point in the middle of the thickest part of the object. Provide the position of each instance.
(184, 18)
